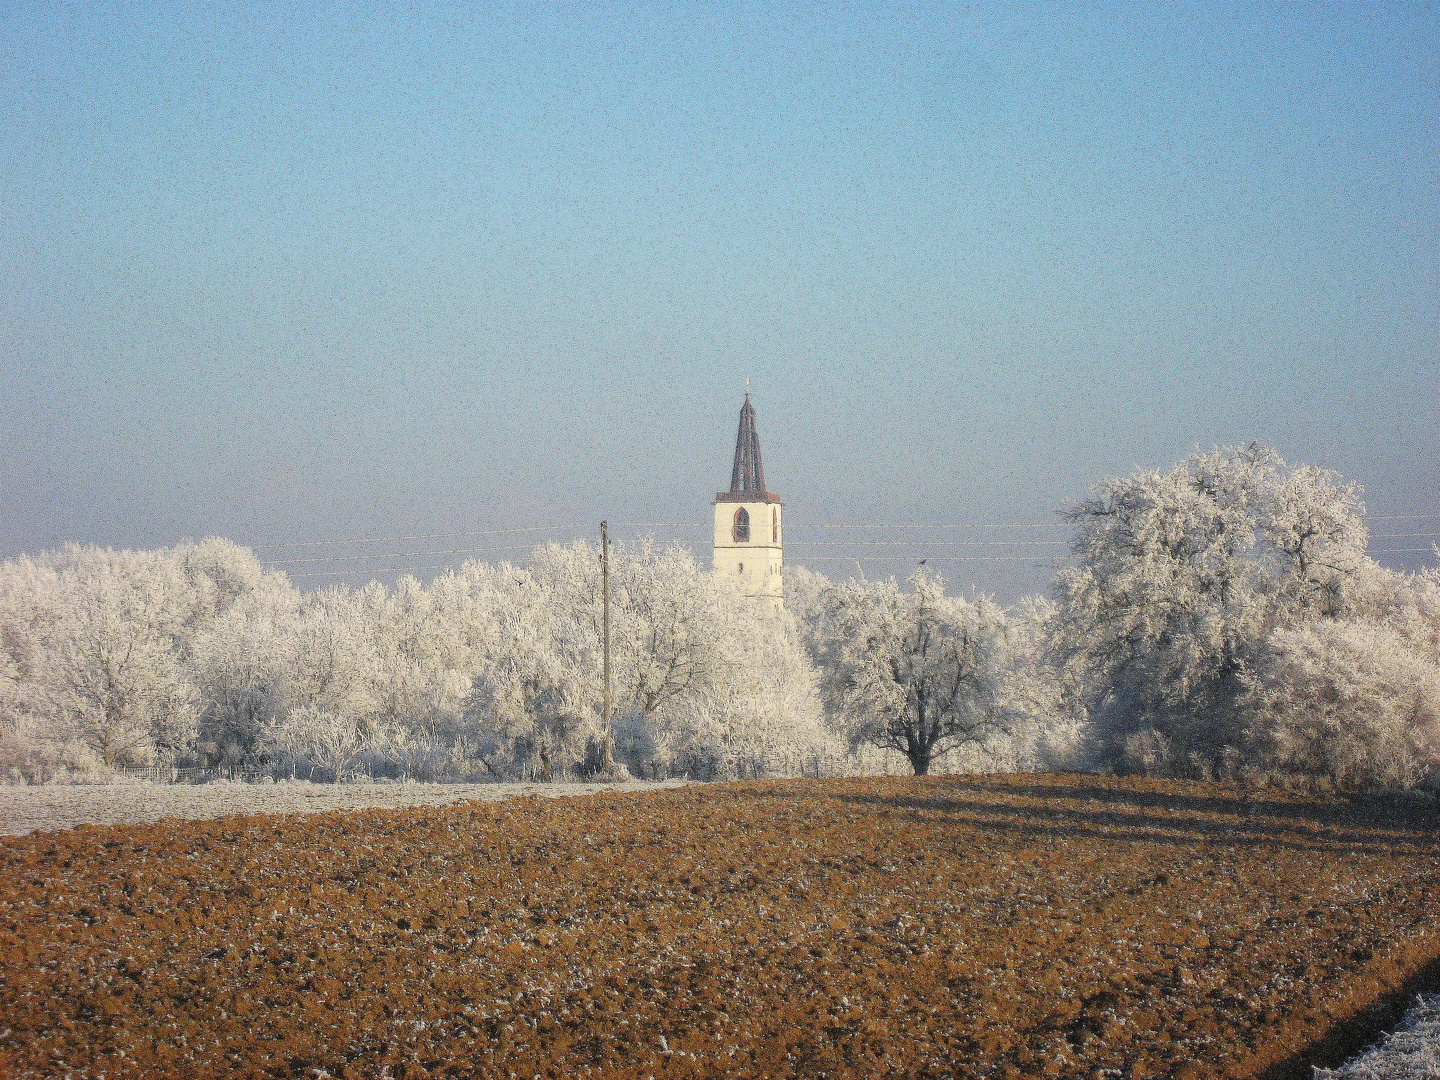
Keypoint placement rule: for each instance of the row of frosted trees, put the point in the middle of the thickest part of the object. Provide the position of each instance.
(1221, 618)
(197, 656)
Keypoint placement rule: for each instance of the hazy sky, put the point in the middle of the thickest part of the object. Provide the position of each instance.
(321, 273)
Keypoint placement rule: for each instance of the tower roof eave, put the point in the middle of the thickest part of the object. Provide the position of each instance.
(747, 497)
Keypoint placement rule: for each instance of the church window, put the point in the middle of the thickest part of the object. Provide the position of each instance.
(774, 525)
(741, 531)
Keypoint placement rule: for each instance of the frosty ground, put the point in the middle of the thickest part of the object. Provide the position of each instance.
(1049, 925)
(1411, 1052)
(24, 809)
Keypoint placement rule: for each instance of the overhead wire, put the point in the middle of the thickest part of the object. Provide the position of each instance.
(930, 558)
(397, 555)
(417, 536)
(300, 564)
(374, 570)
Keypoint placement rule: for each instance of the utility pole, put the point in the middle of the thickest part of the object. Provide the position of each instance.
(607, 763)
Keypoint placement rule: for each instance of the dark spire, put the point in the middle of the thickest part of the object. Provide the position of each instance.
(748, 475)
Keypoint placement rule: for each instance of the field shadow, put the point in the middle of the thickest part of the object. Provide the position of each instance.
(1343, 826)
(1350, 809)
(1348, 1037)
(1170, 822)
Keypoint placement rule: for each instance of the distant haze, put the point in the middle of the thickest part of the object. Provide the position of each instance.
(304, 275)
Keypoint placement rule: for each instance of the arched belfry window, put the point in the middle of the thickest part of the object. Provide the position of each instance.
(741, 532)
(774, 524)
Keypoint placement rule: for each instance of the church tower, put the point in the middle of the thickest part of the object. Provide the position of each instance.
(748, 521)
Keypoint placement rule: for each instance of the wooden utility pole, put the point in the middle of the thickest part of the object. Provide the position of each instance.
(607, 763)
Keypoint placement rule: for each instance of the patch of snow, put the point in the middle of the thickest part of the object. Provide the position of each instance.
(29, 809)
(1411, 1052)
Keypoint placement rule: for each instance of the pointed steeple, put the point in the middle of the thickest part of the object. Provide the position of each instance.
(748, 475)
(749, 524)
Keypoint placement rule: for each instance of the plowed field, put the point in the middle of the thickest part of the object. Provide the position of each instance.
(1016, 926)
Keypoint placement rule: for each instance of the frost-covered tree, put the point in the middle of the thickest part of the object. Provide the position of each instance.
(418, 679)
(103, 648)
(1181, 577)
(710, 685)
(36, 743)
(534, 702)
(240, 664)
(308, 738)
(1044, 724)
(919, 671)
(1349, 701)
(757, 712)
(671, 621)
(704, 684)
(121, 687)
(330, 656)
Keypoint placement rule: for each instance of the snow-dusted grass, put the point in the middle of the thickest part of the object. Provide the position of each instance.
(1411, 1052)
(28, 809)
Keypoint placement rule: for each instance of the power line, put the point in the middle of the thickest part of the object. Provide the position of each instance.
(293, 560)
(373, 570)
(370, 556)
(790, 527)
(395, 555)
(915, 543)
(949, 525)
(1032, 559)
(861, 525)
(419, 536)
(275, 545)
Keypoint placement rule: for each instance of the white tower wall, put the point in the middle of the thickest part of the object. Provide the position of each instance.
(756, 563)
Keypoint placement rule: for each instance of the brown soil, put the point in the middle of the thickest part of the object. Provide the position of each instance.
(1009, 926)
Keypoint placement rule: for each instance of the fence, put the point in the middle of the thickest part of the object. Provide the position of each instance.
(166, 774)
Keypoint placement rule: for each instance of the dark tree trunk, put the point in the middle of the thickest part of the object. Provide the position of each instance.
(919, 742)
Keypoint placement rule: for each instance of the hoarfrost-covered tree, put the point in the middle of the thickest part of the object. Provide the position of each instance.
(36, 742)
(1182, 576)
(711, 686)
(417, 681)
(103, 645)
(534, 702)
(330, 656)
(310, 738)
(704, 684)
(123, 690)
(1348, 701)
(758, 712)
(671, 628)
(241, 665)
(1044, 724)
(920, 671)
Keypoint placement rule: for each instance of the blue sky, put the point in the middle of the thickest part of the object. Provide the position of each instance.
(317, 273)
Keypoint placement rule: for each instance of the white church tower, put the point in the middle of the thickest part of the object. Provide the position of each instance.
(748, 521)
